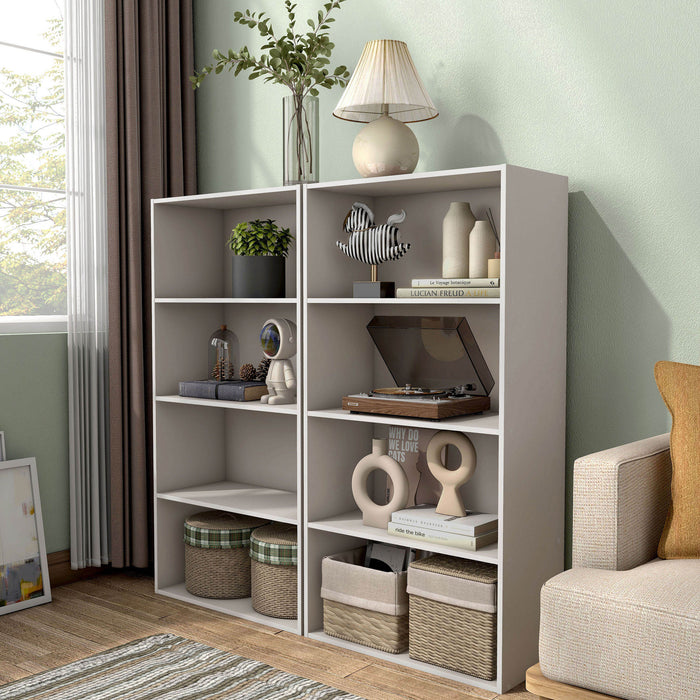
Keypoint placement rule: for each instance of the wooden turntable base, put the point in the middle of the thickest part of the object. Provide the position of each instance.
(435, 409)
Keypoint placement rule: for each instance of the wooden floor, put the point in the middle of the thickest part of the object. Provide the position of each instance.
(97, 614)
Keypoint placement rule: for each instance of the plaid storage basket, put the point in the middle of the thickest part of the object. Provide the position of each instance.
(273, 555)
(217, 564)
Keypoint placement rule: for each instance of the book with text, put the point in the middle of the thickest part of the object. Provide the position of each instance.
(459, 282)
(452, 292)
(471, 524)
(447, 539)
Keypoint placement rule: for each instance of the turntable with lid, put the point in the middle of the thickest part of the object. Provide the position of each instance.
(436, 364)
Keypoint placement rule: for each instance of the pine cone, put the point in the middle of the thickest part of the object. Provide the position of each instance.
(263, 367)
(247, 372)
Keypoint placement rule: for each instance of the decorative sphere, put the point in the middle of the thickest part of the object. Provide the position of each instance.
(385, 147)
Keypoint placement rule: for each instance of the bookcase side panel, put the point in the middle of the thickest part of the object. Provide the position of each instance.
(533, 408)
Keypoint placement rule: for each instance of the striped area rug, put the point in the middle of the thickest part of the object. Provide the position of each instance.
(167, 667)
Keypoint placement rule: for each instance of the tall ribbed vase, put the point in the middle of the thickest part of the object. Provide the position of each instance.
(456, 225)
(300, 139)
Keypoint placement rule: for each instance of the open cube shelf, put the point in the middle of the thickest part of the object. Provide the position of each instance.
(293, 463)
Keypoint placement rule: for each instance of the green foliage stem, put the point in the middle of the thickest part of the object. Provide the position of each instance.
(260, 237)
(297, 60)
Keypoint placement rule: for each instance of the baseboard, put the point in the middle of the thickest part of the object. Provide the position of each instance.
(538, 684)
(60, 572)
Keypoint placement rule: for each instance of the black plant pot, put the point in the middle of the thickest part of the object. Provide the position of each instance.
(258, 276)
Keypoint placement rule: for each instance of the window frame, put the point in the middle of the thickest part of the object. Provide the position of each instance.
(55, 323)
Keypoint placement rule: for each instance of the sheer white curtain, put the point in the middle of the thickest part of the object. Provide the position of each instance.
(87, 282)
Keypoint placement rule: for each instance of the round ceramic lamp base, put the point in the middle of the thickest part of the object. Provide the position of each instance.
(385, 147)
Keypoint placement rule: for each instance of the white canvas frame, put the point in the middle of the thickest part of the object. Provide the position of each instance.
(29, 464)
(3, 453)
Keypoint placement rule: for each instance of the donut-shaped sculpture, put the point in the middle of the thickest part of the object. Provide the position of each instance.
(450, 502)
(373, 514)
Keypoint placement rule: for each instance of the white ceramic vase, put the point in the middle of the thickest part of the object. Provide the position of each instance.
(456, 225)
(482, 246)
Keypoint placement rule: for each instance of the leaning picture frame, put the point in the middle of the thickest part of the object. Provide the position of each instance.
(3, 453)
(24, 571)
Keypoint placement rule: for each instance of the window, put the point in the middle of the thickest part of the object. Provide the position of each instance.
(32, 167)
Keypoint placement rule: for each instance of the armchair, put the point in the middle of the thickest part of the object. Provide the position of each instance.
(621, 623)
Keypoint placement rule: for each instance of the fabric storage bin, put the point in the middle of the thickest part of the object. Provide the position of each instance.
(364, 605)
(273, 554)
(217, 564)
(452, 614)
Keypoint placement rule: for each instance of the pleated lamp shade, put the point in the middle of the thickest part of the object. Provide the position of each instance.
(385, 81)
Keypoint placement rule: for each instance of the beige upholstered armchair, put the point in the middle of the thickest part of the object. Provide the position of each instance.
(621, 623)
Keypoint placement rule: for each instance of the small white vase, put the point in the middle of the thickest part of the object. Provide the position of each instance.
(482, 246)
(456, 226)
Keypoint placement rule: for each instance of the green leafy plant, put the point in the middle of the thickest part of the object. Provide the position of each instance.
(260, 237)
(298, 60)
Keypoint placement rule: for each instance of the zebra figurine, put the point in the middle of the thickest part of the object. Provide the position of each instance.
(372, 244)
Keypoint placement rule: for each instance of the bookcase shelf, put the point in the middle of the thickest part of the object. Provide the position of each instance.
(222, 300)
(272, 504)
(405, 660)
(240, 607)
(485, 424)
(414, 302)
(351, 524)
(284, 409)
(294, 464)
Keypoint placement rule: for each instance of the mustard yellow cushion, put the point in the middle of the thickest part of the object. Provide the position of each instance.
(679, 386)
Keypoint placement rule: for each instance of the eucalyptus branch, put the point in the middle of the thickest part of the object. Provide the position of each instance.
(296, 60)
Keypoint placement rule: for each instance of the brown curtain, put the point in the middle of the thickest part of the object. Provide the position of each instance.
(150, 153)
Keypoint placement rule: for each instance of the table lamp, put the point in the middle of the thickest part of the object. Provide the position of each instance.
(386, 91)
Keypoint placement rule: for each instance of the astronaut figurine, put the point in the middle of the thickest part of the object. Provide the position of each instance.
(279, 344)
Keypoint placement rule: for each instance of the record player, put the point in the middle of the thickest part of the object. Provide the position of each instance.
(436, 364)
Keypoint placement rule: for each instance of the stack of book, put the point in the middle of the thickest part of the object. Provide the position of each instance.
(467, 288)
(472, 531)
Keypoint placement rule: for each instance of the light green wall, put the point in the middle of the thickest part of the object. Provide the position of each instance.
(34, 416)
(603, 91)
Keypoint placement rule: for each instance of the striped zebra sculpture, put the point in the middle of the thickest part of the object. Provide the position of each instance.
(372, 245)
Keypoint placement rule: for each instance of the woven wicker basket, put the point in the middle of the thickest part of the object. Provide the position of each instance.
(273, 570)
(458, 636)
(372, 629)
(364, 605)
(217, 563)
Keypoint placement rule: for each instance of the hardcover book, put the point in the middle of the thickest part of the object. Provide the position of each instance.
(234, 390)
(449, 539)
(451, 292)
(408, 447)
(471, 524)
(458, 282)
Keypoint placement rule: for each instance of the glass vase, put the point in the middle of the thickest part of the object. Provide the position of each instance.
(300, 139)
(222, 361)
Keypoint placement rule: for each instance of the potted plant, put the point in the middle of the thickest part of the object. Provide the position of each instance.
(259, 250)
(298, 61)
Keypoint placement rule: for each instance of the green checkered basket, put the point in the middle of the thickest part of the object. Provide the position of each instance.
(217, 564)
(273, 555)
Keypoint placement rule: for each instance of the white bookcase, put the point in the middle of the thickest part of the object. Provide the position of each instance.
(294, 464)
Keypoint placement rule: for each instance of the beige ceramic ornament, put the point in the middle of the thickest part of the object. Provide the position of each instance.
(450, 502)
(373, 514)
